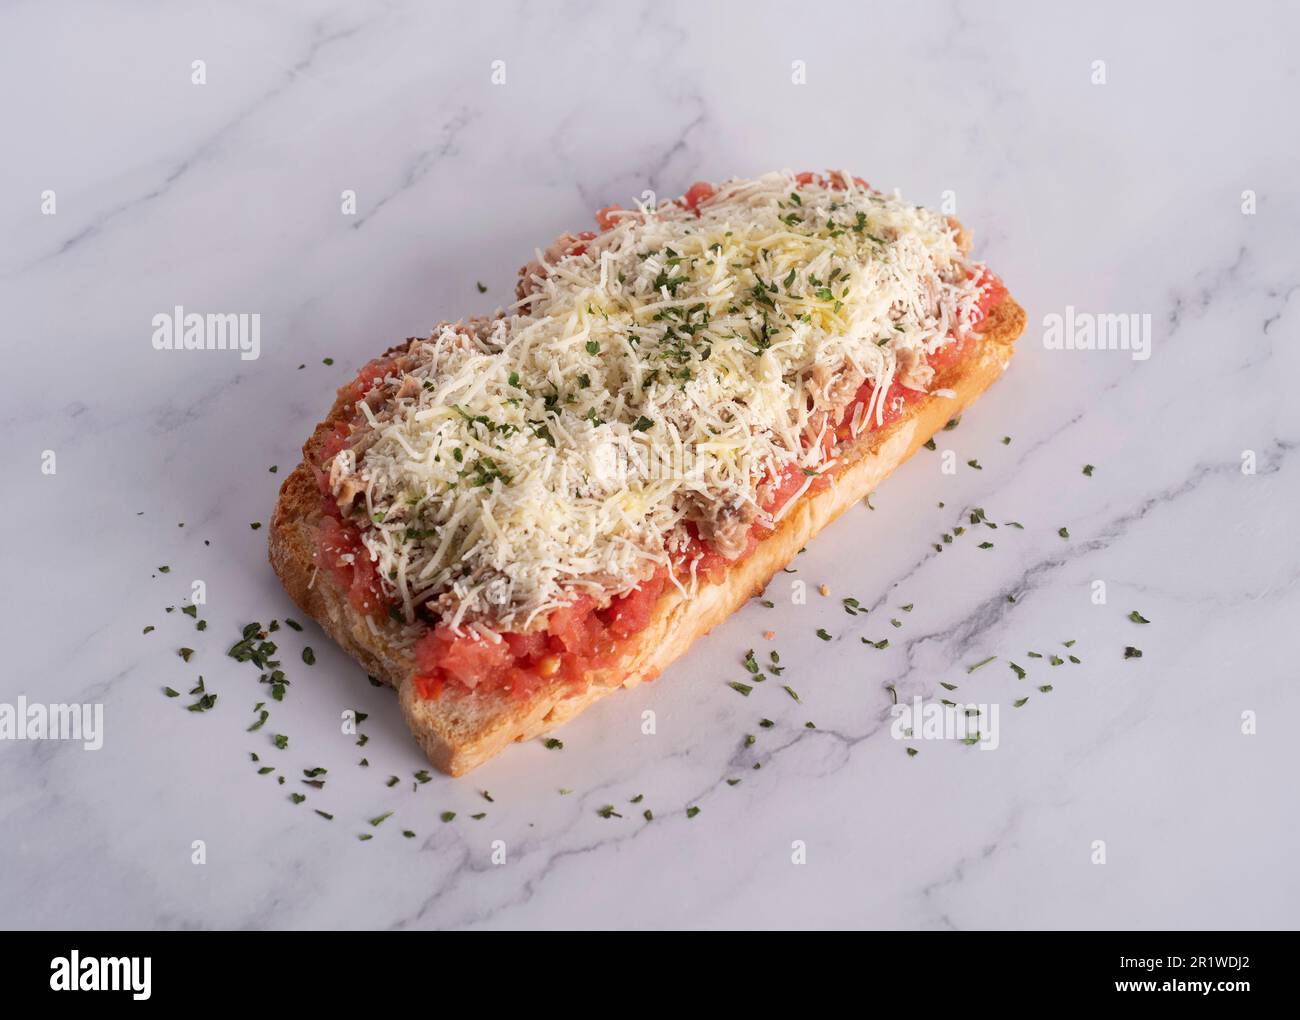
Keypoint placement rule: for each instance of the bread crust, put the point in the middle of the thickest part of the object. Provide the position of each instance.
(460, 729)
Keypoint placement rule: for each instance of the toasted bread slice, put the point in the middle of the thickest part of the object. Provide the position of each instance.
(460, 729)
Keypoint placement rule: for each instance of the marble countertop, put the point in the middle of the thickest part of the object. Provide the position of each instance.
(1158, 183)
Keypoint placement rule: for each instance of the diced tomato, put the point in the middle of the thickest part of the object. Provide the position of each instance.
(578, 639)
(994, 291)
(344, 557)
(605, 218)
(630, 614)
(575, 628)
(710, 565)
(473, 663)
(951, 353)
(335, 441)
(581, 245)
(337, 545)
(466, 658)
(524, 680)
(429, 685)
(367, 377)
(895, 401)
(526, 647)
(366, 593)
(698, 193)
(836, 180)
(328, 505)
(789, 483)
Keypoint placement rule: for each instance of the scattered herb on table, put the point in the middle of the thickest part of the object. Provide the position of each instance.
(203, 704)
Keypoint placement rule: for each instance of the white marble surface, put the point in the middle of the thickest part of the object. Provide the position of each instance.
(1123, 197)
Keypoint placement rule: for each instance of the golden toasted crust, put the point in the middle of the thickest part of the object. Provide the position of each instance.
(460, 729)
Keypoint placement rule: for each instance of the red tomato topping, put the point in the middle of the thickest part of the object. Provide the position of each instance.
(994, 291)
(699, 193)
(527, 647)
(465, 658)
(367, 377)
(895, 400)
(366, 593)
(790, 482)
(344, 557)
(337, 545)
(575, 629)
(331, 444)
(835, 180)
(429, 685)
(472, 662)
(335, 441)
(710, 565)
(581, 246)
(605, 218)
(578, 639)
(950, 353)
(630, 614)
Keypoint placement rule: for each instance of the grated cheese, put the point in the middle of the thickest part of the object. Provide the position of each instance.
(649, 388)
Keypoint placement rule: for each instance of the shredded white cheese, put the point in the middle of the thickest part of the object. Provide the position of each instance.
(646, 389)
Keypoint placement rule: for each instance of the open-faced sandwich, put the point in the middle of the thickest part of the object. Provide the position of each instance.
(512, 517)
